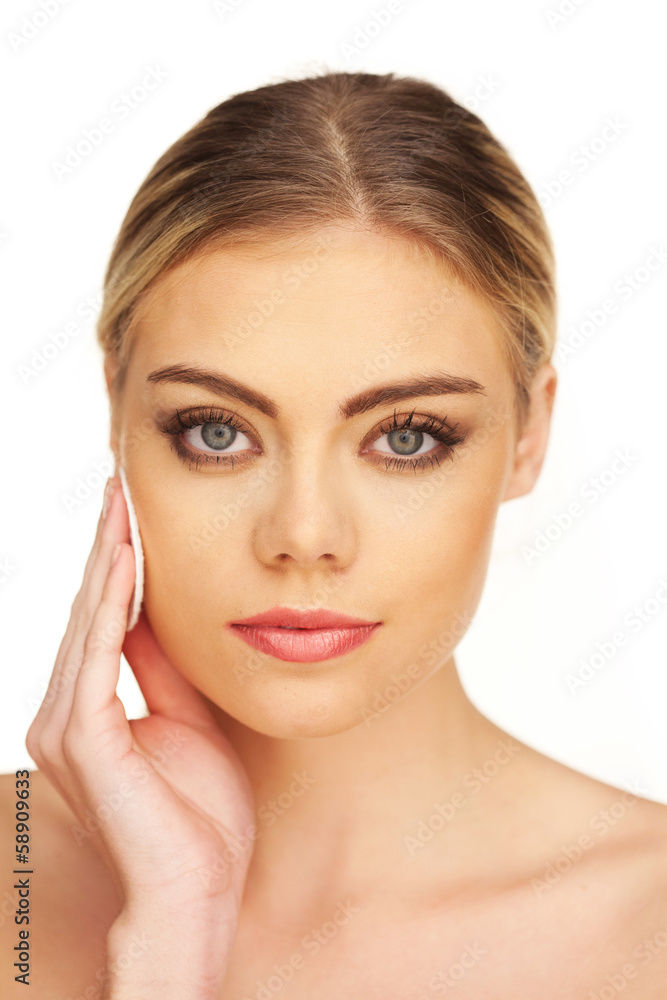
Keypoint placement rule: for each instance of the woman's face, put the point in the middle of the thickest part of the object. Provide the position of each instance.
(314, 497)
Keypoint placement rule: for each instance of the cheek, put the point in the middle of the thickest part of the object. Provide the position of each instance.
(434, 569)
(437, 532)
(192, 548)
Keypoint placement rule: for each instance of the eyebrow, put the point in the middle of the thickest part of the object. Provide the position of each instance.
(430, 384)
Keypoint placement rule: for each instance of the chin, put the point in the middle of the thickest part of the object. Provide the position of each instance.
(285, 709)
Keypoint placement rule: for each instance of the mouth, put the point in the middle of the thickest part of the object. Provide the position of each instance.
(304, 636)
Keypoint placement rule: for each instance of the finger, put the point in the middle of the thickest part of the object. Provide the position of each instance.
(61, 661)
(95, 700)
(164, 688)
(55, 681)
(44, 737)
(115, 527)
(110, 489)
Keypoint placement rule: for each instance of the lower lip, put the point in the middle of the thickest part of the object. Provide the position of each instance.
(305, 645)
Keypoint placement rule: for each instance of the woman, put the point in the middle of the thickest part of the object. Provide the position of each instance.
(328, 323)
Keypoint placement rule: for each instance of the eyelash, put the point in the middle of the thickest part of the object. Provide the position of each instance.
(448, 436)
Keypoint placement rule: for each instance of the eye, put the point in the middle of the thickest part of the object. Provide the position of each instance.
(217, 437)
(413, 441)
(406, 442)
(208, 436)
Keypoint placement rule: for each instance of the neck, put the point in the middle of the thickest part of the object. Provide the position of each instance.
(392, 800)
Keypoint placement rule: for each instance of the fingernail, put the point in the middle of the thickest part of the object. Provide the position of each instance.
(108, 493)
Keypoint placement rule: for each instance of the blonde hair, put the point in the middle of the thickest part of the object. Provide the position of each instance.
(383, 152)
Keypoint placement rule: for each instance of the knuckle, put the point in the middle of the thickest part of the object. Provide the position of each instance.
(32, 741)
(43, 744)
(75, 606)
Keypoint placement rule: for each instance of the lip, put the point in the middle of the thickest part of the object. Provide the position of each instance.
(304, 636)
(296, 618)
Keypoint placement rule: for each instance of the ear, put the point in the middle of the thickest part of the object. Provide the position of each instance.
(531, 447)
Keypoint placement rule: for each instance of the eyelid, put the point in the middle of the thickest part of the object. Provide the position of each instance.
(425, 422)
(195, 416)
(444, 433)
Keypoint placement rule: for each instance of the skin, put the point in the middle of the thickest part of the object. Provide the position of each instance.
(309, 515)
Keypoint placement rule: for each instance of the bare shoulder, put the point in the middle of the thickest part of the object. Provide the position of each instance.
(603, 880)
(62, 898)
(624, 819)
(583, 818)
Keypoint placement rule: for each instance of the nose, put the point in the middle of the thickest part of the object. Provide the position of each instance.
(308, 519)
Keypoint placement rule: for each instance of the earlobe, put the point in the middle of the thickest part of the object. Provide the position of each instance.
(110, 369)
(531, 447)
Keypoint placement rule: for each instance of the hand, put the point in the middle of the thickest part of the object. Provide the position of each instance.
(167, 816)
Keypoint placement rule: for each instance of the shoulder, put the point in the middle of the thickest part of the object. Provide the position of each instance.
(63, 898)
(586, 890)
(581, 817)
(605, 870)
(625, 874)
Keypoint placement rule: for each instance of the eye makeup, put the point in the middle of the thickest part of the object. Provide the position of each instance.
(220, 428)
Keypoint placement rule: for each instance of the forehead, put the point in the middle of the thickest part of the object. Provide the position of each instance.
(339, 303)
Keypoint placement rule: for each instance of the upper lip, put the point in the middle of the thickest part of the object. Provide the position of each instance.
(310, 618)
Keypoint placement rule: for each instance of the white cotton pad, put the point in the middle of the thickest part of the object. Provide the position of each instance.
(135, 538)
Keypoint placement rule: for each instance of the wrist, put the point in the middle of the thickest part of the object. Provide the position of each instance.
(168, 951)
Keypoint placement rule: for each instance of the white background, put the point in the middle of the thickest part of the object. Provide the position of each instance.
(546, 84)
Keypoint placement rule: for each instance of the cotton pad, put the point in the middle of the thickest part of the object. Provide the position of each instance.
(135, 538)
